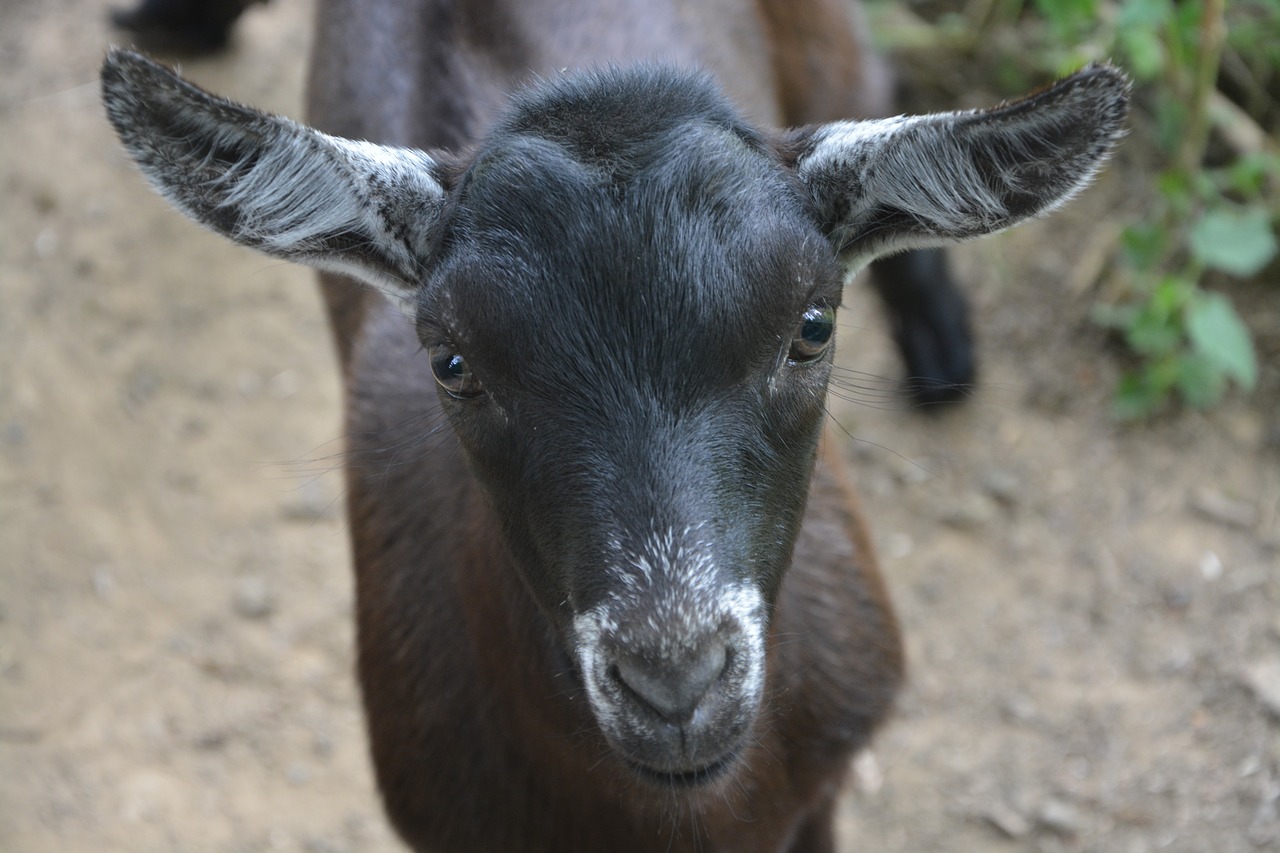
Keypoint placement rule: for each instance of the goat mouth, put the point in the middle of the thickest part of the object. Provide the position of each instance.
(686, 779)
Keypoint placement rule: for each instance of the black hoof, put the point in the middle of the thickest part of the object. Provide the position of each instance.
(189, 27)
(929, 317)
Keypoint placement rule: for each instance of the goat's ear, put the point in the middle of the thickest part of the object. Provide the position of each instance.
(892, 184)
(274, 185)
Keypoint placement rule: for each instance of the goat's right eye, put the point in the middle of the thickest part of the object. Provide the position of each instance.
(813, 335)
(452, 373)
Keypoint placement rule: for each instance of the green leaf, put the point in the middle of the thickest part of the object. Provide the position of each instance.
(1067, 17)
(1176, 186)
(1144, 50)
(1171, 119)
(1133, 400)
(1152, 335)
(1200, 382)
(1249, 174)
(1172, 293)
(1154, 329)
(1217, 334)
(1137, 396)
(1144, 244)
(1149, 14)
(1236, 241)
(1185, 25)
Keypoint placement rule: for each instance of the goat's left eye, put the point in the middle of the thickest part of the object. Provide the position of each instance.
(452, 373)
(813, 335)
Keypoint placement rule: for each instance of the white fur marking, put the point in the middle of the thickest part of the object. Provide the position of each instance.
(673, 586)
(310, 187)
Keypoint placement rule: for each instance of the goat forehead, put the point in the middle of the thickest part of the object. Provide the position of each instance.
(709, 247)
(523, 183)
(622, 119)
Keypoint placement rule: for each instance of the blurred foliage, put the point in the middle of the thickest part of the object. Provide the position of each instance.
(1207, 94)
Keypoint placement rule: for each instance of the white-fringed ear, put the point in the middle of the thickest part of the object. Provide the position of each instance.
(916, 181)
(273, 185)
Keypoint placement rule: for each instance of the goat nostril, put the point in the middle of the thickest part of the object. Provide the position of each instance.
(674, 687)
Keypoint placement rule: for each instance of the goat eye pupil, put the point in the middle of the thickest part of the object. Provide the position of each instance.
(813, 335)
(452, 373)
(816, 331)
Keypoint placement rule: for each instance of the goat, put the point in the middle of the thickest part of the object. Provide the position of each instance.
(613, 590)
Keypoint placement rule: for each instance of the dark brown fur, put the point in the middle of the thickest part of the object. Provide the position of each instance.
(450, 641)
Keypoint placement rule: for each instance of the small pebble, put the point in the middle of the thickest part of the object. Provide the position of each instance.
(46, 243)
(971, 513)
(253, 598)
(1217, 507)
(140, 386)
(1263, 678)
(212, 740)
(104, 583)
(1210, 566)
(283, 385)
(1058, 817)
(311, 502)
(1177, 596)
(322, 745)
(1003, 486)
(898, 546)
(1004, 818)
(1019, 708)
(867, 773)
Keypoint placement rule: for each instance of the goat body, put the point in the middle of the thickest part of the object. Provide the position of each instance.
(613, 592)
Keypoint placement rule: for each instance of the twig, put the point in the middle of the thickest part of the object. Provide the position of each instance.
(1239, 129)
(1213, 31)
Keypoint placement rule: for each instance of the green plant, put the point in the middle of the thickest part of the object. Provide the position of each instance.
(1190, 341)
(1210, 214)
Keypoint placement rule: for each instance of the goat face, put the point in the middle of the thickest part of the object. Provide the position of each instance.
(632, 339)
(628, 298)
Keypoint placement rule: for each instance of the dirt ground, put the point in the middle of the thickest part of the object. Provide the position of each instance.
(1091, 610)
